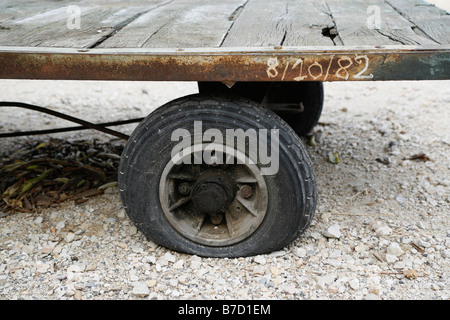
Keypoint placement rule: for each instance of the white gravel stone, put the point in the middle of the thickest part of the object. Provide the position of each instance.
(394, 249)
(446, 254)
(28, 249)
(260, 260)
(76, 268)
(43, 267)
(333, 231)
(60, 225)
(70, 237)
(384, 231)
(195, 264)
(422, 243)
(170, 257)
(38, 220)
(179, 264)
(324, 281)
(141, 289)
(287, 288)
(390, 258)
(354, 284)
(300, 252)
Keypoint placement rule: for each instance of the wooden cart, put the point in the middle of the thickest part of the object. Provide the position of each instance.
(260, 66)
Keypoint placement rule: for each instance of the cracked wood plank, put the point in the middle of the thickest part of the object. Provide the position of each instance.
(179, 24)
(307, 23)
(429, 19)
(351, 18)
(280, 22)
(50, 28)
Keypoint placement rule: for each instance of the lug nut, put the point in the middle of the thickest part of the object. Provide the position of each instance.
(216, 218)
(246, 191)
(184, 188)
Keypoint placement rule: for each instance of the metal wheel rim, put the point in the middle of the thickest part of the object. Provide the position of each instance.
(242, 216)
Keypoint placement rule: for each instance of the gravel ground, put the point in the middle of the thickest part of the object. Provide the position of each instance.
(381, 229)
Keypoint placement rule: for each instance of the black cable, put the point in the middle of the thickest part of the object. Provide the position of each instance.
(57, 130)
(84, 124)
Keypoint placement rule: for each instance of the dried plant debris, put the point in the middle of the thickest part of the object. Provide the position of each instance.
(44, 174)
(419, 156)
(384, 160)
(333, 157)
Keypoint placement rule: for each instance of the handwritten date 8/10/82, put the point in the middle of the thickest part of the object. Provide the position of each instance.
(344, 67)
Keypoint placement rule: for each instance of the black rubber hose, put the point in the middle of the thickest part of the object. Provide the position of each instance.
(84, 124)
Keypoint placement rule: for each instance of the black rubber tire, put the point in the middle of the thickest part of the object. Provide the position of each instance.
(292, 191)
(310, 94)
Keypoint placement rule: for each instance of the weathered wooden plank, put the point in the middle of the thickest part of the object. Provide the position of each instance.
(353, 19)
(12, 10)
(211, 23)
(308, 23)
(200, 23)
(20, 28)
(429, 19)
(179, 24)
(136, 33)
(259, 24)
(280, 22)
(55, 28)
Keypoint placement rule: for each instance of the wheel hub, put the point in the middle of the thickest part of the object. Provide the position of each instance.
(213, 192)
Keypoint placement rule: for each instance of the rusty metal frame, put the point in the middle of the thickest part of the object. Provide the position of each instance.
(228, 64)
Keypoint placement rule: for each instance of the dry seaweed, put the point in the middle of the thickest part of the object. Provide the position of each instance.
(44, 174)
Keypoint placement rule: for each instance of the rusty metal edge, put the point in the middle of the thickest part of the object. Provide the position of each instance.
(228, 64)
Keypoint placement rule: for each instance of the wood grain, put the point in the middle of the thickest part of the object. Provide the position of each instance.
(179, 24)
(429, 19)
(353, 22)
(280, 22)
(49, 27)
(212, 23)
